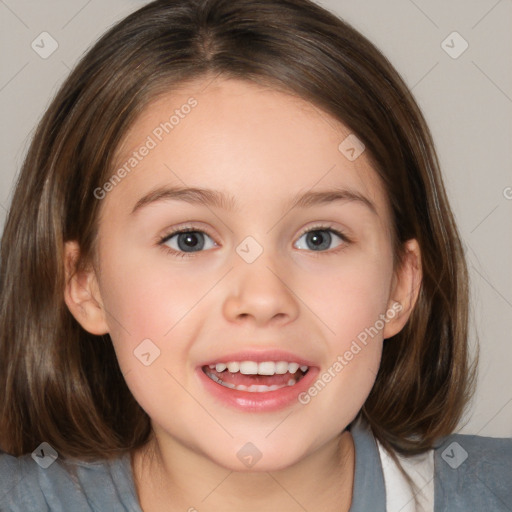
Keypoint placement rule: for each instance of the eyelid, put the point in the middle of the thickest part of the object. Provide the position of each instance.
(327, 226)
(188, 227)
(319, 226)
(162, 239)
(183, 229)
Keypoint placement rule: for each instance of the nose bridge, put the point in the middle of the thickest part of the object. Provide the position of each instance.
(260, 289)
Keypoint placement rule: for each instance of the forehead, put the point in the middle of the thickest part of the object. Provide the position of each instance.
(242, 138)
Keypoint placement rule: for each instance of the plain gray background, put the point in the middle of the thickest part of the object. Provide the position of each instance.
(467, 102)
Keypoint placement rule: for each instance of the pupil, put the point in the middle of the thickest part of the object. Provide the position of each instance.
(319, 239)
(189, 240)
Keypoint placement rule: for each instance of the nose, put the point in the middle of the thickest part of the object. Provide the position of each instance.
(262, 294)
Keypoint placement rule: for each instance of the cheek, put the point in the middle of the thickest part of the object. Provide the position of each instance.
(349, 297)
(149, 300)
(150, 318)
(356, 300)
(349, 293)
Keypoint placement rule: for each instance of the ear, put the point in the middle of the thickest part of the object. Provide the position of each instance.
(404, 289)
(81, 293)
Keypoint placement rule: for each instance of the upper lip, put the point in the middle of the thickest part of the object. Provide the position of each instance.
(259, 356)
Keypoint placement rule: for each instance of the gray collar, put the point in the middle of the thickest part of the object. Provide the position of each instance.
(369, 488)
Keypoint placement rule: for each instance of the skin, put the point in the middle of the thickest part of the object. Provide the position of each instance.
(261, 146)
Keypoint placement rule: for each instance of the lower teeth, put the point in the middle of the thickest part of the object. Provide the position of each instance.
(255, 388)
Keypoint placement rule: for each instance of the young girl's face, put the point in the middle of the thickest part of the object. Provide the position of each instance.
(247, 283)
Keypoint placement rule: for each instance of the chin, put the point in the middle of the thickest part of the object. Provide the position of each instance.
(255, 457)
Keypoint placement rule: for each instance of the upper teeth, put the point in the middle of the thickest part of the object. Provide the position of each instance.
(254, 368)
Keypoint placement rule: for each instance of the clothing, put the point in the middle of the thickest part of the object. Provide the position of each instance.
(463, 473)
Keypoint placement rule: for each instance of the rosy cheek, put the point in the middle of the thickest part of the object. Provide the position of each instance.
(352, 298)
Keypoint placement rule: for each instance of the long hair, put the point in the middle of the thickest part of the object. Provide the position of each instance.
(63, 385)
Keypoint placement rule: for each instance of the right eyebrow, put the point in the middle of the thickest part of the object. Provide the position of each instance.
(192, 195)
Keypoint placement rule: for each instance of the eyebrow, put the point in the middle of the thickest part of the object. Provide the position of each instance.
(218, 199)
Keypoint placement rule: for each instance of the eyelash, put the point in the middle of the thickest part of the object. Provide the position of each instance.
(185, 229)
(188, 229)
(327, 227)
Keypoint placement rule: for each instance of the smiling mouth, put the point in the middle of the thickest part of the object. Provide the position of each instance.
(256, 377)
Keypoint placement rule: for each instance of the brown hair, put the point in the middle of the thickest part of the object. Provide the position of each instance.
(63, 385)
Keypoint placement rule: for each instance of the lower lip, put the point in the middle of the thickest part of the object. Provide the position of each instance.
(258, 402)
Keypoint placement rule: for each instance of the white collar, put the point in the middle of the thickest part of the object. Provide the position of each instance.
(399, 494)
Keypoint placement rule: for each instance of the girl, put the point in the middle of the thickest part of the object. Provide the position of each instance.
(231, 280)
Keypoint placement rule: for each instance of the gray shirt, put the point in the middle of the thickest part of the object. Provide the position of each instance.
(482, 482)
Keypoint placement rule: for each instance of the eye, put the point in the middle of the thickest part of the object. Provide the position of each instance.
(320, 238)
(186, 240)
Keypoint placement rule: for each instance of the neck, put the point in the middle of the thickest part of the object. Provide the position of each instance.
(176, 478)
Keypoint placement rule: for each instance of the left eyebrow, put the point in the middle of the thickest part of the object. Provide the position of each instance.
(310, 199)
(218, 199)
